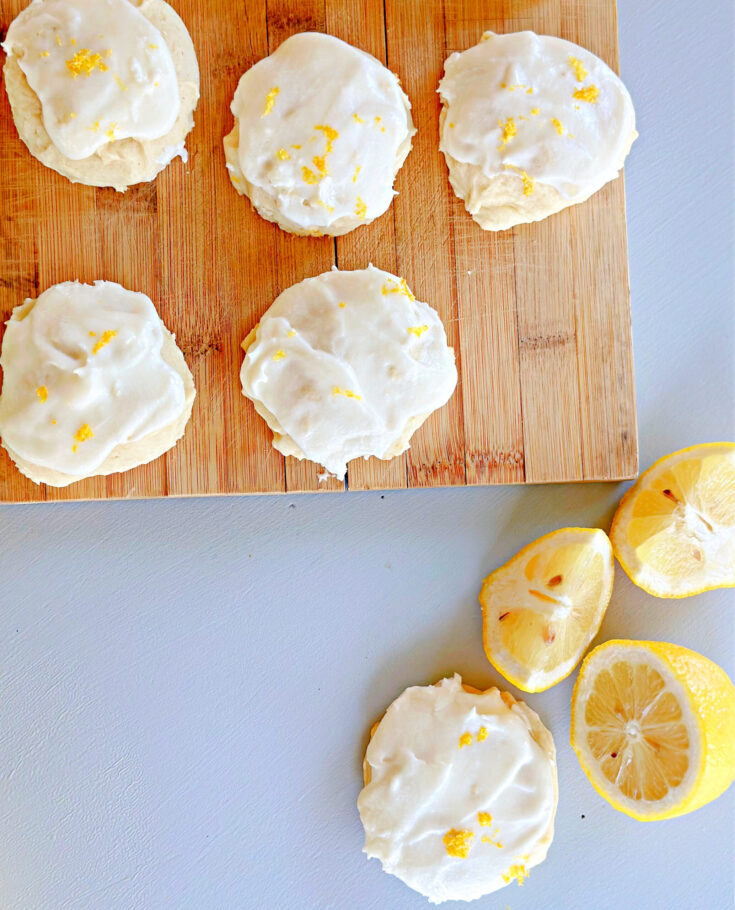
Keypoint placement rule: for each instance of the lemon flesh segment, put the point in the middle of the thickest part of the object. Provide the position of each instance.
(542, 609)
(674, 531)
(653, 726)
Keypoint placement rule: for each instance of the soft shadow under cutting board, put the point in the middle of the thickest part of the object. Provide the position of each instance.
(539, 316)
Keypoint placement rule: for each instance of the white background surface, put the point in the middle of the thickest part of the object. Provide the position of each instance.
(185, 687)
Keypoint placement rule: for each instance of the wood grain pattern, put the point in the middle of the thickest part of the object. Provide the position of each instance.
(539, 316)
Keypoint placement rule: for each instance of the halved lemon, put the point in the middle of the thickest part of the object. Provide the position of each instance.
(653, 726)
(674, 531)
(542, 609)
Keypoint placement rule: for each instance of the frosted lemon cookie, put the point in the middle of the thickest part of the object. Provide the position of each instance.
(530, 125)
(347, 365)
(460, 790)
(321, 130)
(102, 91)
(93, 383)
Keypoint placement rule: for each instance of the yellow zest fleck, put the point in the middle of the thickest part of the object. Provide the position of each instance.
(503, 85)
(579, 71)
(509, 130)
(45, 54)
(234, 179)
(283, 155)
(82, 435)
(72, 116)
(400, 288)
(323, 204)
(270, 100)
(360, 208)
(534, 111)
(458, 843)
(108, 52)
(279, 355)
(106, 338)
(42, 393)
(357, 171)
(330, 134)
(418, 331)
(589, 93)
(489, 840)
(528, 185)
(557, 124)
(529, 90)
(96, 126)
(111, 132)
(53, 422)
(484, 819)
(296, 147)
(73, 42)
(512, 88)
(320, 163)
(93, 334)
(291, 333)
(357, 118)
(121, 83)
(576, 107)
(308, 175)
(377, 120)
(153, 47)
(58, 40)
(517, 872)
(451, 126)
(348, 393)
(482, 734)
(84, 62)
(466, 738)
(342, 304)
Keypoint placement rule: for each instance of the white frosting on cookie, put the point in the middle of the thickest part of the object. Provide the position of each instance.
(460, 791)
(100, 69)
(347, 364)
(537, 109)
(321, 131)
(83, 373)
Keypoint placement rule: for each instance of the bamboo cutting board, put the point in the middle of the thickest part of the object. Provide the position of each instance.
(539, 316)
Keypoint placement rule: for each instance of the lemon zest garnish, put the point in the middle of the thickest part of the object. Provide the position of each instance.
(108, 52)
(342, 304)
(111, 132)
(509, 130)
(418, 331)
(84, 62)
(357, 118)
(518, 872)
(308, 175)
(296, 147)
(400, 288)
(72, 115)
(360, 207)
(484, 819)
(82, 435)
(53, 422)
(42, 393)
(45, 54)
(579, 71)
(482, 734)
(451, 126)
(279, 355)
(58, 40)
(291, 333)
(323, 204)
(377, 120)
(270, 100)
(557, 124)
(528, 182)
(534, 111)
(458, 843)
(330, 134)
(283, 155)
(93, 334)
(106, 338)
(357, 171)
(489, 840)
(589, 93)
(121, 83)
(466, 738)
(73, 42)
(320, 163)
(153, 47)
(529, 90)
(348, 393)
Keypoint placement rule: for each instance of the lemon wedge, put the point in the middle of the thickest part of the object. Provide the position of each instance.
(542, 609)
(674, 531)
(653, 726)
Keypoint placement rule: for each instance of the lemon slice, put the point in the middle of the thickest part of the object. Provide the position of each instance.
(653, 726)
(542, 609)
(674, 531)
